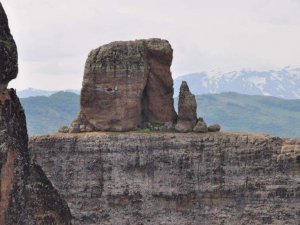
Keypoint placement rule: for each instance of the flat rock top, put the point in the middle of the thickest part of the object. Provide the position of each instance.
(153, 44)
(141, 134)
(131, 51)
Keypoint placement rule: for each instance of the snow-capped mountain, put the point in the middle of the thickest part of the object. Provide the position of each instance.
(31, 92)
(284, 83)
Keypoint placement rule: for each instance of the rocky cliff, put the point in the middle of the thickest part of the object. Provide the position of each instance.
(26, 195)
(174, 178)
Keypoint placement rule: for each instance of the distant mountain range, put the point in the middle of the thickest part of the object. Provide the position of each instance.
(46, 114)
(260, 114)
(284, 83)
(31, 92)
(235, 112)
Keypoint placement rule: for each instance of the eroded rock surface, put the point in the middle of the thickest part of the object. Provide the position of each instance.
(174, 178)
(8, 52)
(187, 109)
(26, 195)
(125, 85)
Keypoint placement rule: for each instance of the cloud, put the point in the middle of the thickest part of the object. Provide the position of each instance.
(54, 37)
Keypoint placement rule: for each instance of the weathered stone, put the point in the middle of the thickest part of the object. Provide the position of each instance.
(127, 84)
(200, 127)
(214, 128)
(8, 52)
(26, 195)
(187, 109)
(174, 178)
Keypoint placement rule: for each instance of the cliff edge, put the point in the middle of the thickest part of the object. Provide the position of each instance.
(174, 178)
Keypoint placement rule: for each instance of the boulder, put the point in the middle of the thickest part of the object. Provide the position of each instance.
(127, 84)
(214, 128)
(187, 109)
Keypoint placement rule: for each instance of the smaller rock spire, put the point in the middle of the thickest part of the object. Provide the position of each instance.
(187, 113)
(187, 109)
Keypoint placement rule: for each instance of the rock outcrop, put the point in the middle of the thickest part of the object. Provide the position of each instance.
(187, 109)
(174, 178)
(8, 53)
(125, 85)
(26, 195)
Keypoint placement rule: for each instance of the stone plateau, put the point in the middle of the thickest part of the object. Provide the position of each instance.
(174, 178)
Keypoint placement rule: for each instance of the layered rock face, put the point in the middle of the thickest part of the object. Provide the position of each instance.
(26, 195)
(125, 85)
(174, 178)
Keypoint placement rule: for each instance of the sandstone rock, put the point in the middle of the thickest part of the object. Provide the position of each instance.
(214, 128)
(127, 84)
(187, 109)
(26, 195)
(174, 178)
(8, 53)
(200, 127)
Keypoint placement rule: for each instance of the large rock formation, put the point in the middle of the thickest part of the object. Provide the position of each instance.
(174, 178)
(125, 85)
(26, 195)
(187, 109)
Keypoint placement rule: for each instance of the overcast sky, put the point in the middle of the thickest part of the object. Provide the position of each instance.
(54, 37)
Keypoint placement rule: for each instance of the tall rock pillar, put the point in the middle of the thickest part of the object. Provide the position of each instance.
(26, 195)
